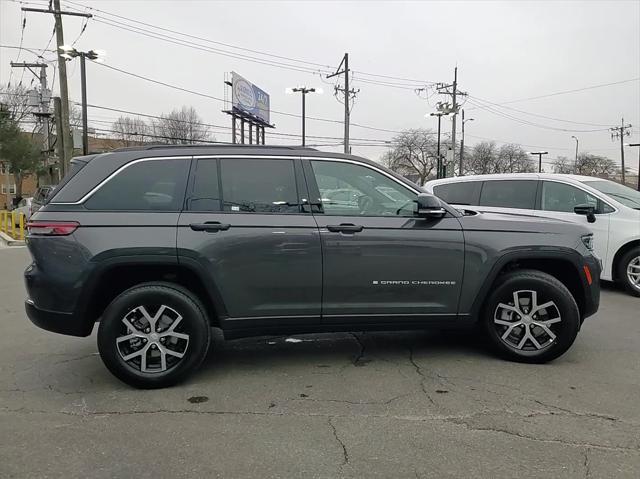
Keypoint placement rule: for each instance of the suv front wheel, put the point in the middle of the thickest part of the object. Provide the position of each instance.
(153, 335)
(531, 317)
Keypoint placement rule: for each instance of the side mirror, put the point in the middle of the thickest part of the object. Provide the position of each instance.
(429, 207)
(587, 210)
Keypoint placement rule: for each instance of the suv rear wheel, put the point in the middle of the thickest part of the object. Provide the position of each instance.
(629, 271)
(531, 317)
(153, 335)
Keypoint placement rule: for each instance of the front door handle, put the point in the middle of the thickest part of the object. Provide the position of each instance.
(210, 226)
(345, 228)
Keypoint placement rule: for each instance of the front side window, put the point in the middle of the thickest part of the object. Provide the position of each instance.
(520, 194)
(348, 189)
(563, 198)
(461, 193)
(259, 186)
(144, 186)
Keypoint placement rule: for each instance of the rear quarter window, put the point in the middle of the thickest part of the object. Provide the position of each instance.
(150, 185)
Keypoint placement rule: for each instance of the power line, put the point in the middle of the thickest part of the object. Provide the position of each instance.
(499, 106)
(206, 95)
(564, 92)
(527, 122)
(318, 66)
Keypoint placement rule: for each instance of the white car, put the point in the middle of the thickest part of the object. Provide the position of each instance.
(614, 207)
(24, 207)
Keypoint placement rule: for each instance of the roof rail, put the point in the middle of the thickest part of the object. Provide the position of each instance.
(221, 145)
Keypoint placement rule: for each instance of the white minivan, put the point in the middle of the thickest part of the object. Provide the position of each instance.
(581, 199)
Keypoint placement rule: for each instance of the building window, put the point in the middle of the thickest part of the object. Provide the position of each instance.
(4, 169)
(12, 189)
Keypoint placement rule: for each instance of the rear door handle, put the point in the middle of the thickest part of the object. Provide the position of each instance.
(345, 228)
(210, 226)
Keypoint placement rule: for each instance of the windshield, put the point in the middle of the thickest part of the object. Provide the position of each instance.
(622, 194)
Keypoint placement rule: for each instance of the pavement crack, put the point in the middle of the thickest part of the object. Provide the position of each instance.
(465, 423)
(358, 361)
(587, 464)
(355, 403)
(422, 376)
(345, 453)
(576, 413)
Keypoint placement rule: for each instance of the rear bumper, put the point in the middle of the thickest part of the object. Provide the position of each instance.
(63, 323)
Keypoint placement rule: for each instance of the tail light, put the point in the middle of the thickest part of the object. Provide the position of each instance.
(52, 228)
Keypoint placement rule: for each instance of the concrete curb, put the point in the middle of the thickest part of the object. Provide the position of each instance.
(9, 241)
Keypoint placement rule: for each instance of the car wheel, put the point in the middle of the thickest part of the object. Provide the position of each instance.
(531, 317)
(153, 335)
(629, 271)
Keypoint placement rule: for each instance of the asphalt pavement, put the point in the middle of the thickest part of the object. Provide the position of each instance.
(382, 405)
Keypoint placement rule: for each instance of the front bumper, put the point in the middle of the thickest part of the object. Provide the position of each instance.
(591, 289)
(63, 323)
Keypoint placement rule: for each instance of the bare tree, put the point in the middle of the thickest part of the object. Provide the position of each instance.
(563, 165)
(131, 131)
(413, 155)
(513, 159)
(587, 164)
(483, 159)
(15, 100)
(182, 126)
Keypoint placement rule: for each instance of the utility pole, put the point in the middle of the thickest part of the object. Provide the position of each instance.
(539, 153)
(57, 115)
(63, 129)
(43, 113)
(452, 90)
(348, 94)
(575, 166)
(439, 167)
(619, 132)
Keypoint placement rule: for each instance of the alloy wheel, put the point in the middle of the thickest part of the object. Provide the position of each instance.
(526, 325)
(633, 272)
(152, 343)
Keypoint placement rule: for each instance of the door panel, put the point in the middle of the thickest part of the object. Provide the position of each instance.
(378, 260)
(259, 247)
(557, 200)
(263, 265)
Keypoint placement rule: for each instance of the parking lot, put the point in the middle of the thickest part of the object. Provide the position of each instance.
(413, 404)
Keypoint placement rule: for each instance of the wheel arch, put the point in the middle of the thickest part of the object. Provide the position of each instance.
(624, 249)
(114, 276)
(565, 266)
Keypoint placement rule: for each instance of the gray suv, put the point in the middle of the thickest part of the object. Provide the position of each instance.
(159, 244)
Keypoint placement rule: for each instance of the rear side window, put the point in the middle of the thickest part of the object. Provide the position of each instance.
(259, 186)
(461, 193)
(509, 194)
(144, 186)
(206, 189)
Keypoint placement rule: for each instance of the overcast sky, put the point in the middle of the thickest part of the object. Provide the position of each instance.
(505, 51)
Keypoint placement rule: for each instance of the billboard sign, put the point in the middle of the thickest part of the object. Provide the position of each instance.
(248, 98)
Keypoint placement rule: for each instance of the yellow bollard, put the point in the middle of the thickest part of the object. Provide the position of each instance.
(3, 220)
(22, 218)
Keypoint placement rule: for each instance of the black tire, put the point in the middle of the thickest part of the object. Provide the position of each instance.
(153, 296)
(621, 273)
(548, 289)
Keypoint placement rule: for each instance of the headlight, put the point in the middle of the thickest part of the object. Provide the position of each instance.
(587, 241)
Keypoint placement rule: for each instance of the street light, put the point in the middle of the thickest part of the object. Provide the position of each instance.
(461, 169)
(69, 53)
(304, 90)
(539, 153)
(439, 114)
(637, 145)
(575, 167)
